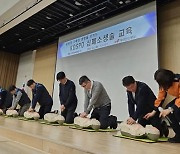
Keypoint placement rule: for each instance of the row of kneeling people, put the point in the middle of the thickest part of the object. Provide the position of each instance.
(143, 106)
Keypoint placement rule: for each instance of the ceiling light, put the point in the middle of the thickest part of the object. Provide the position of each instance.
(20, 39)
(30, 27)
(4, 47)
(38, 40)
(120, 2)
(49, 18)
(128, 1)
(43, 28)
(77, 3)
(71, 15)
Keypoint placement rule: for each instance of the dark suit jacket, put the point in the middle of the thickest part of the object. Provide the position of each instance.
(67, 94)
(143, 102)
(41, 95)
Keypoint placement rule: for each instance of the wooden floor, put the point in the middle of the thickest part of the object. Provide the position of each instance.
(61, 139)
(10, 147)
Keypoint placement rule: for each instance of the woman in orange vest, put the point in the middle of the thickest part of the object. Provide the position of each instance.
(169, 83)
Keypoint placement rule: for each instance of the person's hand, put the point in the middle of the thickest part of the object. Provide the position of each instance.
(11, 108)
(149, 115)
(164, 113)
(83, 115)
(130, 121)
(62, 108)
(31, 109)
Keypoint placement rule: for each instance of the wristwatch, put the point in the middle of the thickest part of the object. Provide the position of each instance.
(171, 109)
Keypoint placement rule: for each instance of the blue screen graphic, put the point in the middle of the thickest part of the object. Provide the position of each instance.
(140, 27)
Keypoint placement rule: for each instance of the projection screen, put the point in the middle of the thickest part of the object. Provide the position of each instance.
(107, 51)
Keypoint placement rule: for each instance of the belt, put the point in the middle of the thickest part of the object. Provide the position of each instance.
(105, 105)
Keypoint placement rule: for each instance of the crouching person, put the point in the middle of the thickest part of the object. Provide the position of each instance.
(40, 95)
(19, 97)
(169, 83)
(140, 102)
(96, 98)
(68, 99)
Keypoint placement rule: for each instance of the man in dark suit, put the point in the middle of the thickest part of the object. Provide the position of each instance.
(96, 98)
(140, 102)
(42, 96)
(67, 96)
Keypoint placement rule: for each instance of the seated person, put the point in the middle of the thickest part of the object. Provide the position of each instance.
(169, 83)
(19, 97)
(67, 95)
(40, 95)
(96, 98)
(140, 102)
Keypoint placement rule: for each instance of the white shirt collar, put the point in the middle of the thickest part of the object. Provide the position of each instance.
(91, 87)
(66, 81)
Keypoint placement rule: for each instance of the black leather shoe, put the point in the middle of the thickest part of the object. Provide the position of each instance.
(114, 122)
(175, 139)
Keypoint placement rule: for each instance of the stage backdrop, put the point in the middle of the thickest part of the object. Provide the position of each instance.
(108, 51)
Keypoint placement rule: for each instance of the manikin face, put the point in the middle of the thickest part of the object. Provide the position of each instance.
(63, 81)
(86, 85)
(32, 86)
(132, 87)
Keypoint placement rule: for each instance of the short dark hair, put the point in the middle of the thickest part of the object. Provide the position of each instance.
(83, 79)
(11, 88)
(60, 75)
(164, 78)
(126, 81)
(30, 82)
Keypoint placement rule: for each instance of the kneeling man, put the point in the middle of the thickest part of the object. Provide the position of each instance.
(67, 96)
(97, 98)
(142, 97)
(42, 96)
(19, 97)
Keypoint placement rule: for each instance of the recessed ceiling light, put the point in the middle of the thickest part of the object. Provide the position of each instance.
(71, 15)
(4, 47)
(20, 39)
(43, 28)
(49, 18)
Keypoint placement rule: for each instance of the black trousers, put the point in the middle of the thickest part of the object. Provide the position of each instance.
(155, 121)
(68, 114)
(44, 109)
(175, 118)
(102, 115)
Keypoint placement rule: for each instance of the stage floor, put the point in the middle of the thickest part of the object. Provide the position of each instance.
(10, 147)
(49, 138)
